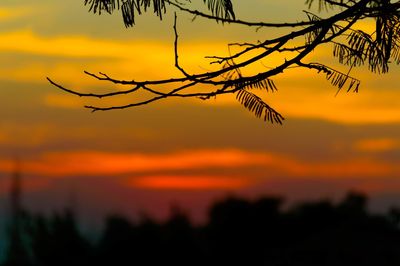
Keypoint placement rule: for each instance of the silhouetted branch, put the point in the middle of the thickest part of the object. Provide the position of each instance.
(351, 46)
(197, 13)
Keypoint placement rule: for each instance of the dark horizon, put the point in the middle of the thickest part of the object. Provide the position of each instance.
(238, 231)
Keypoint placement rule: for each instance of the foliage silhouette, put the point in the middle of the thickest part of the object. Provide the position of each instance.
(18, 252)
(239, 232)
(57, 241)
(352, 46)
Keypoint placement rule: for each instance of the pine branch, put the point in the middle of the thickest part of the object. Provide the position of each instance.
(348, 56)
(260, 83)
(221, 8)
(335, 77)
(257, 106)
(330, 4)
(97, 6)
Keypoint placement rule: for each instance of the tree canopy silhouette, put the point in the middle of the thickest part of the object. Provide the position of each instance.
(238, 232)
(351, 46)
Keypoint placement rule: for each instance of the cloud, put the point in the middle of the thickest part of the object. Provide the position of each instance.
(377, 145)
(104, 163)
(188, 182)
(264, 165)
(25, 41)
(316, 99)
(80, 46)
(300, 94)
(201, 170)
(122, 59)
(63, 101)
(3, 138)
(13, 13)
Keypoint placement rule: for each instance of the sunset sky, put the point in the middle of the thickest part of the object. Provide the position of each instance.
(185, 152)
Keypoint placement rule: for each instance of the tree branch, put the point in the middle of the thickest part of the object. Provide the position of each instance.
(351, 46)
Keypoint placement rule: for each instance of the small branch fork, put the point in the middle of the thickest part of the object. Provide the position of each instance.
(228, 79)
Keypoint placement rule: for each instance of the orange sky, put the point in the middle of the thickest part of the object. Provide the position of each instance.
(159, 152)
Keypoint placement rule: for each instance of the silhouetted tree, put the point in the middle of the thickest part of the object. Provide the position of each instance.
(394, 215)
(118, 245)
(239, 232)
(17, 253)
(180, 240)
(352, 46)
(57, 241)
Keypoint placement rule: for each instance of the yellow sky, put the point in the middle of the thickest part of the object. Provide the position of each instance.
(347, 137)
(63, 57)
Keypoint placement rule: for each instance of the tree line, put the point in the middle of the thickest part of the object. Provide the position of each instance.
(238, 232)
